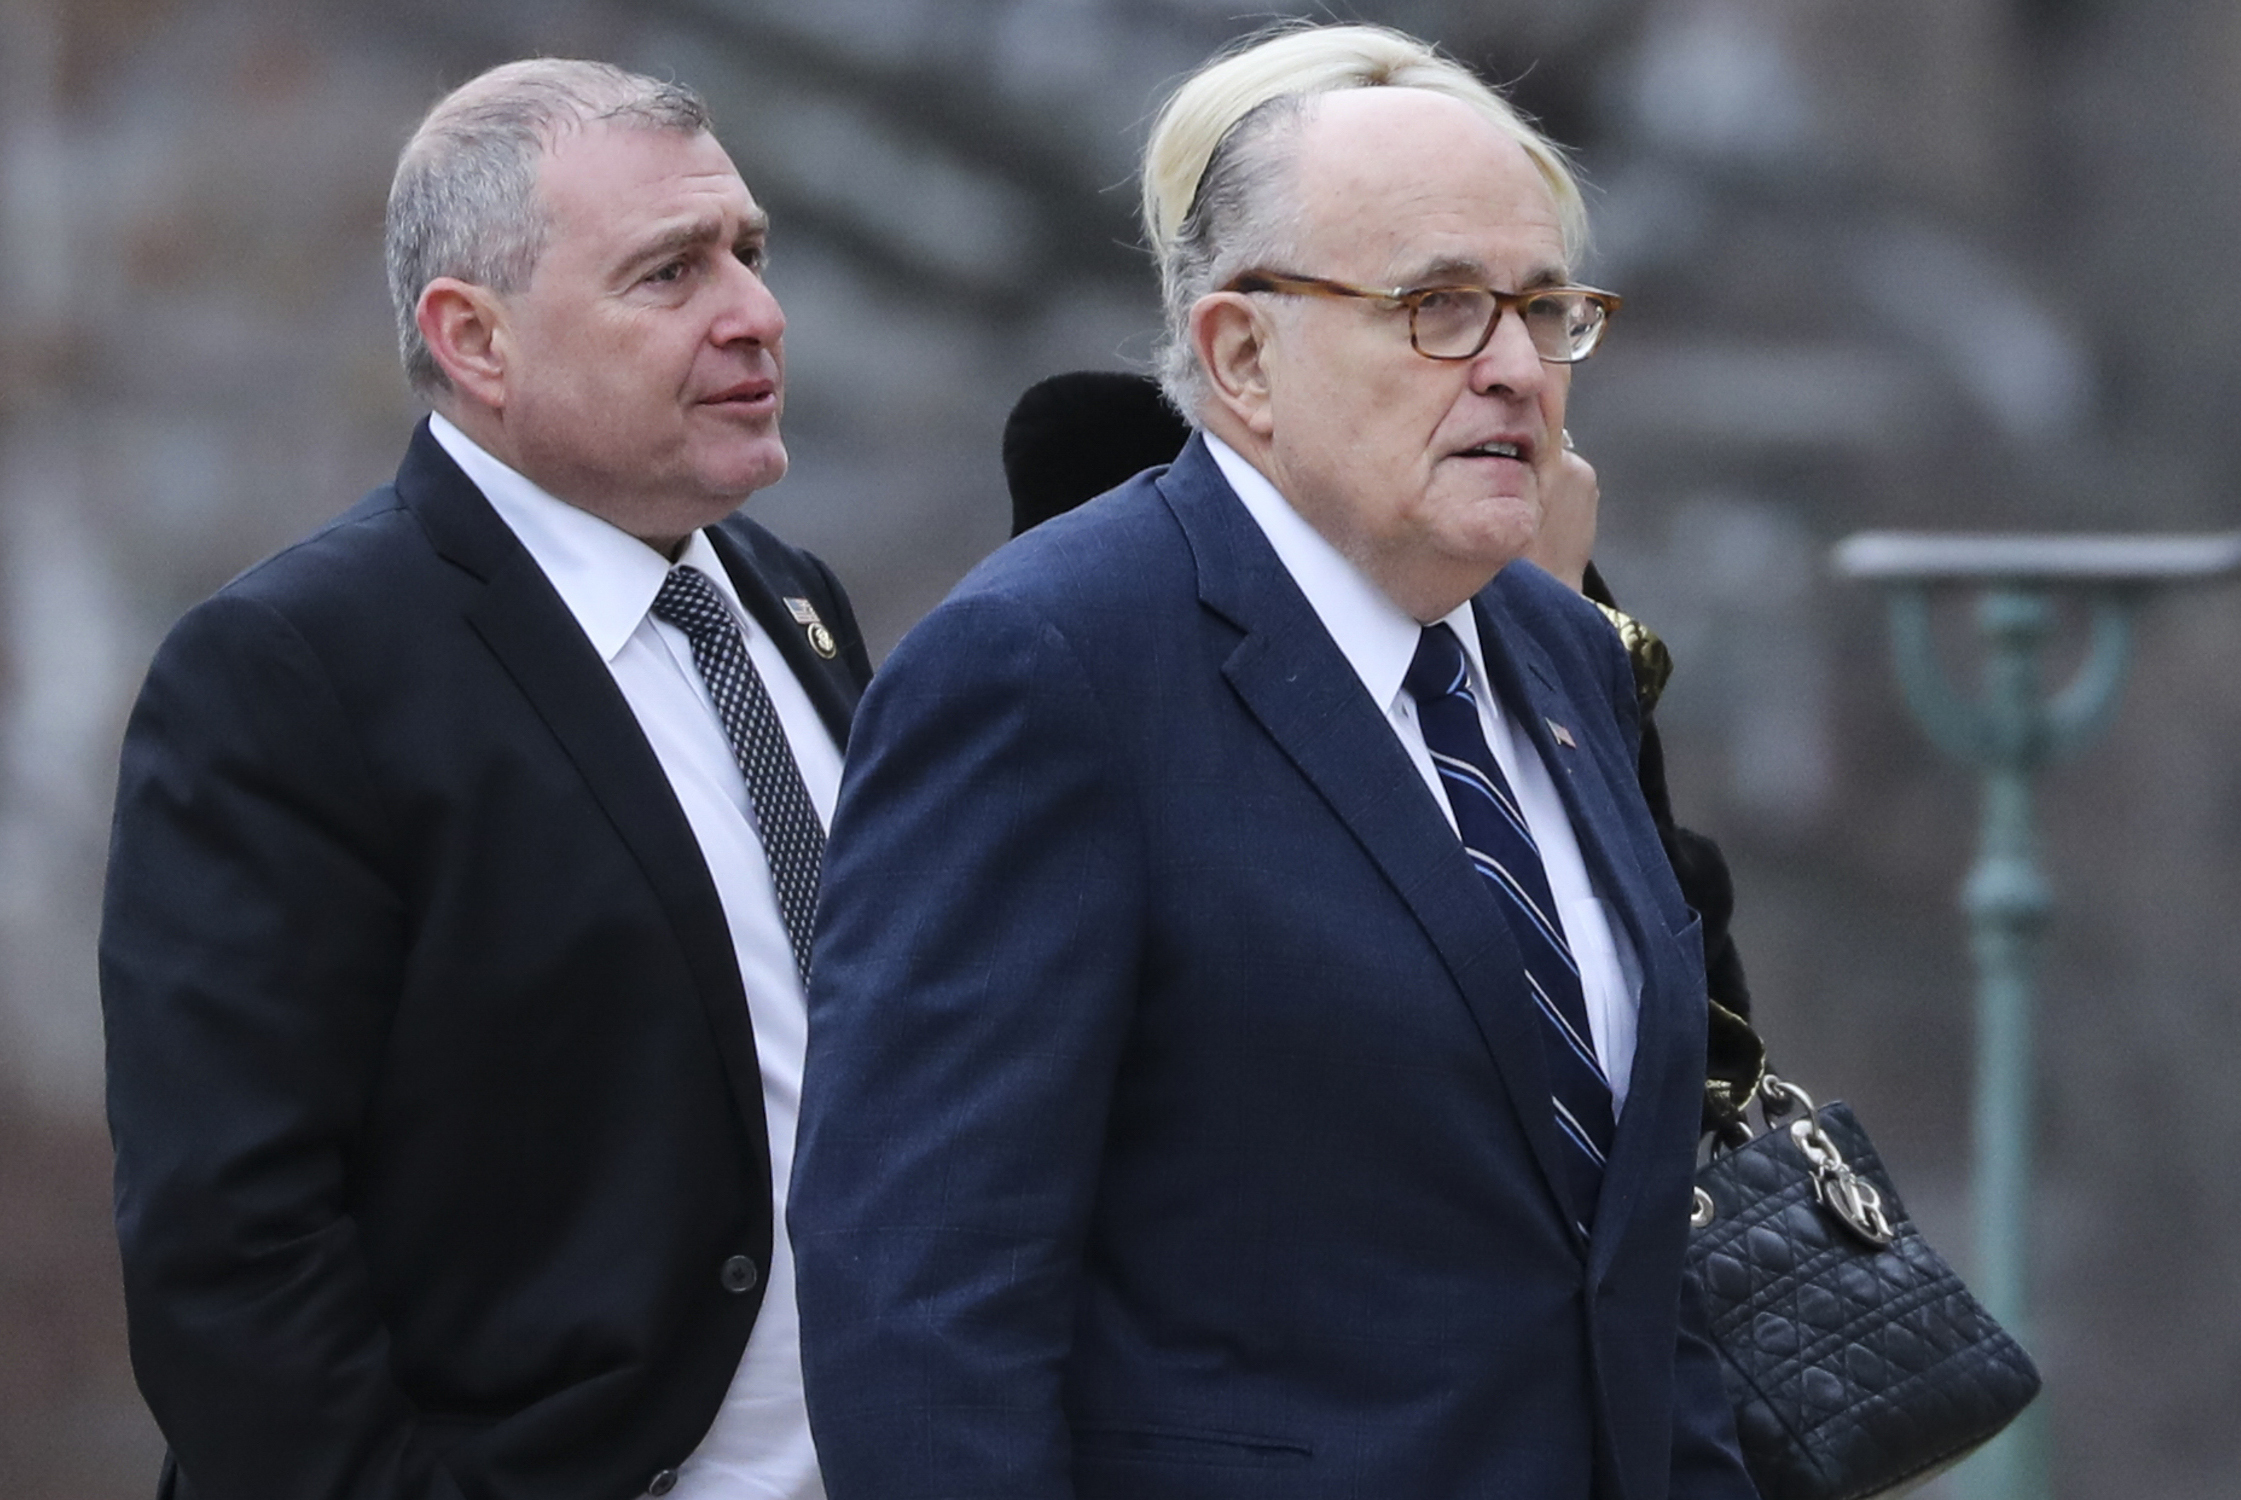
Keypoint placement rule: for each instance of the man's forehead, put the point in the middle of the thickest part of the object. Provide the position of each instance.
(1526, 265)
(1406, 183)
(1402, 141)
(594, 161)
(1388, 124)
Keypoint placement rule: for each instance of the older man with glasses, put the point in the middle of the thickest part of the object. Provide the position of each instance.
(1255, 1036)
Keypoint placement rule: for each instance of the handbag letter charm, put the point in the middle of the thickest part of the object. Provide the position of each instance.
(1842, 1191)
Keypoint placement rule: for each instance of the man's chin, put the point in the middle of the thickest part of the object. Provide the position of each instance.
(1497, 539)
(736, 476)
(1497, 521)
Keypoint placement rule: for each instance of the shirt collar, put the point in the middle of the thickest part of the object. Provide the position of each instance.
(606, 576)
(1377, 637)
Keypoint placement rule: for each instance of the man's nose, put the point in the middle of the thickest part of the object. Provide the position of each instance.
(1509, 362)
(750, 313)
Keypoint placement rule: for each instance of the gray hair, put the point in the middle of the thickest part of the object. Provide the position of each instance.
(1245, 215)
(464, 202)
(1217, 181)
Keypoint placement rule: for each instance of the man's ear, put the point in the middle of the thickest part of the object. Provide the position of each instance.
(464, 326)
(1230, 336)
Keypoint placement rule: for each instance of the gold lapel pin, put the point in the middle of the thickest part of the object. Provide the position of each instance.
(820, 639)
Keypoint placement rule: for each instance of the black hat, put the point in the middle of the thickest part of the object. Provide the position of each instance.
(1078, 435)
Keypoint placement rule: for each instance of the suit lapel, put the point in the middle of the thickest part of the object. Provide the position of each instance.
(820, 676)
(522, 620)
(1292, 677)
(1587, 773)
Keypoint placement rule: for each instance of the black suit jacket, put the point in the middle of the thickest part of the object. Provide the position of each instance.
(438, 1122)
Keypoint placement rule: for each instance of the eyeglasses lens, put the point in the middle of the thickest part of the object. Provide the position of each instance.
(1453, 323)
(1450, 322)
(1567, 326)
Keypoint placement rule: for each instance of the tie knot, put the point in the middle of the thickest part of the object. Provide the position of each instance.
(690, 602)
(1438, 669)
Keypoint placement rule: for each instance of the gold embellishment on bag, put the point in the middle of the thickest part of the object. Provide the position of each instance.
(1653, 664)
(1735, 1063)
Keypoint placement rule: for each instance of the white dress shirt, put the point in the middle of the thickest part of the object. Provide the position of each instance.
(759, 1446)
(1379, 639)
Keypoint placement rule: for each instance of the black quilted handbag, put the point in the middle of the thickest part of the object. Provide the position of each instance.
(1857, 1362)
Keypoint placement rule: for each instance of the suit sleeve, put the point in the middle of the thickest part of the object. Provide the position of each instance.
(973, 983)
(251, 949)
(1707, 1463)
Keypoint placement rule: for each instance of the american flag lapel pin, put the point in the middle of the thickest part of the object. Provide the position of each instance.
(805, 615)
(1563, 735)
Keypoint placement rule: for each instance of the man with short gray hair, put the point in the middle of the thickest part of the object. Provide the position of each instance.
(1256, 1037)
(458, 909)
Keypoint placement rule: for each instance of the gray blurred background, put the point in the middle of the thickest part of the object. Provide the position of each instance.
(1919, 263)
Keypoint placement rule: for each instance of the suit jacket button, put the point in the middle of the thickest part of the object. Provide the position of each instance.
(662, 1483)
(739, 1275)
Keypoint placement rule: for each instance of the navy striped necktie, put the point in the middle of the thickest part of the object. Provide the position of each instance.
(784, 817)
(1501, 847)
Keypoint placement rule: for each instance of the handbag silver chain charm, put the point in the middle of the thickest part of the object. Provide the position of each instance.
(1850, 1198)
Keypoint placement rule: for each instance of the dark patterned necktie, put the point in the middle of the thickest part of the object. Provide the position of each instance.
(1502, 849)
(792, 837)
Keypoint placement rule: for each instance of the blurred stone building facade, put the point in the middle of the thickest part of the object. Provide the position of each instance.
(1922, 263)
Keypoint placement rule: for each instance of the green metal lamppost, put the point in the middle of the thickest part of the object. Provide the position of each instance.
(2012, 729)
